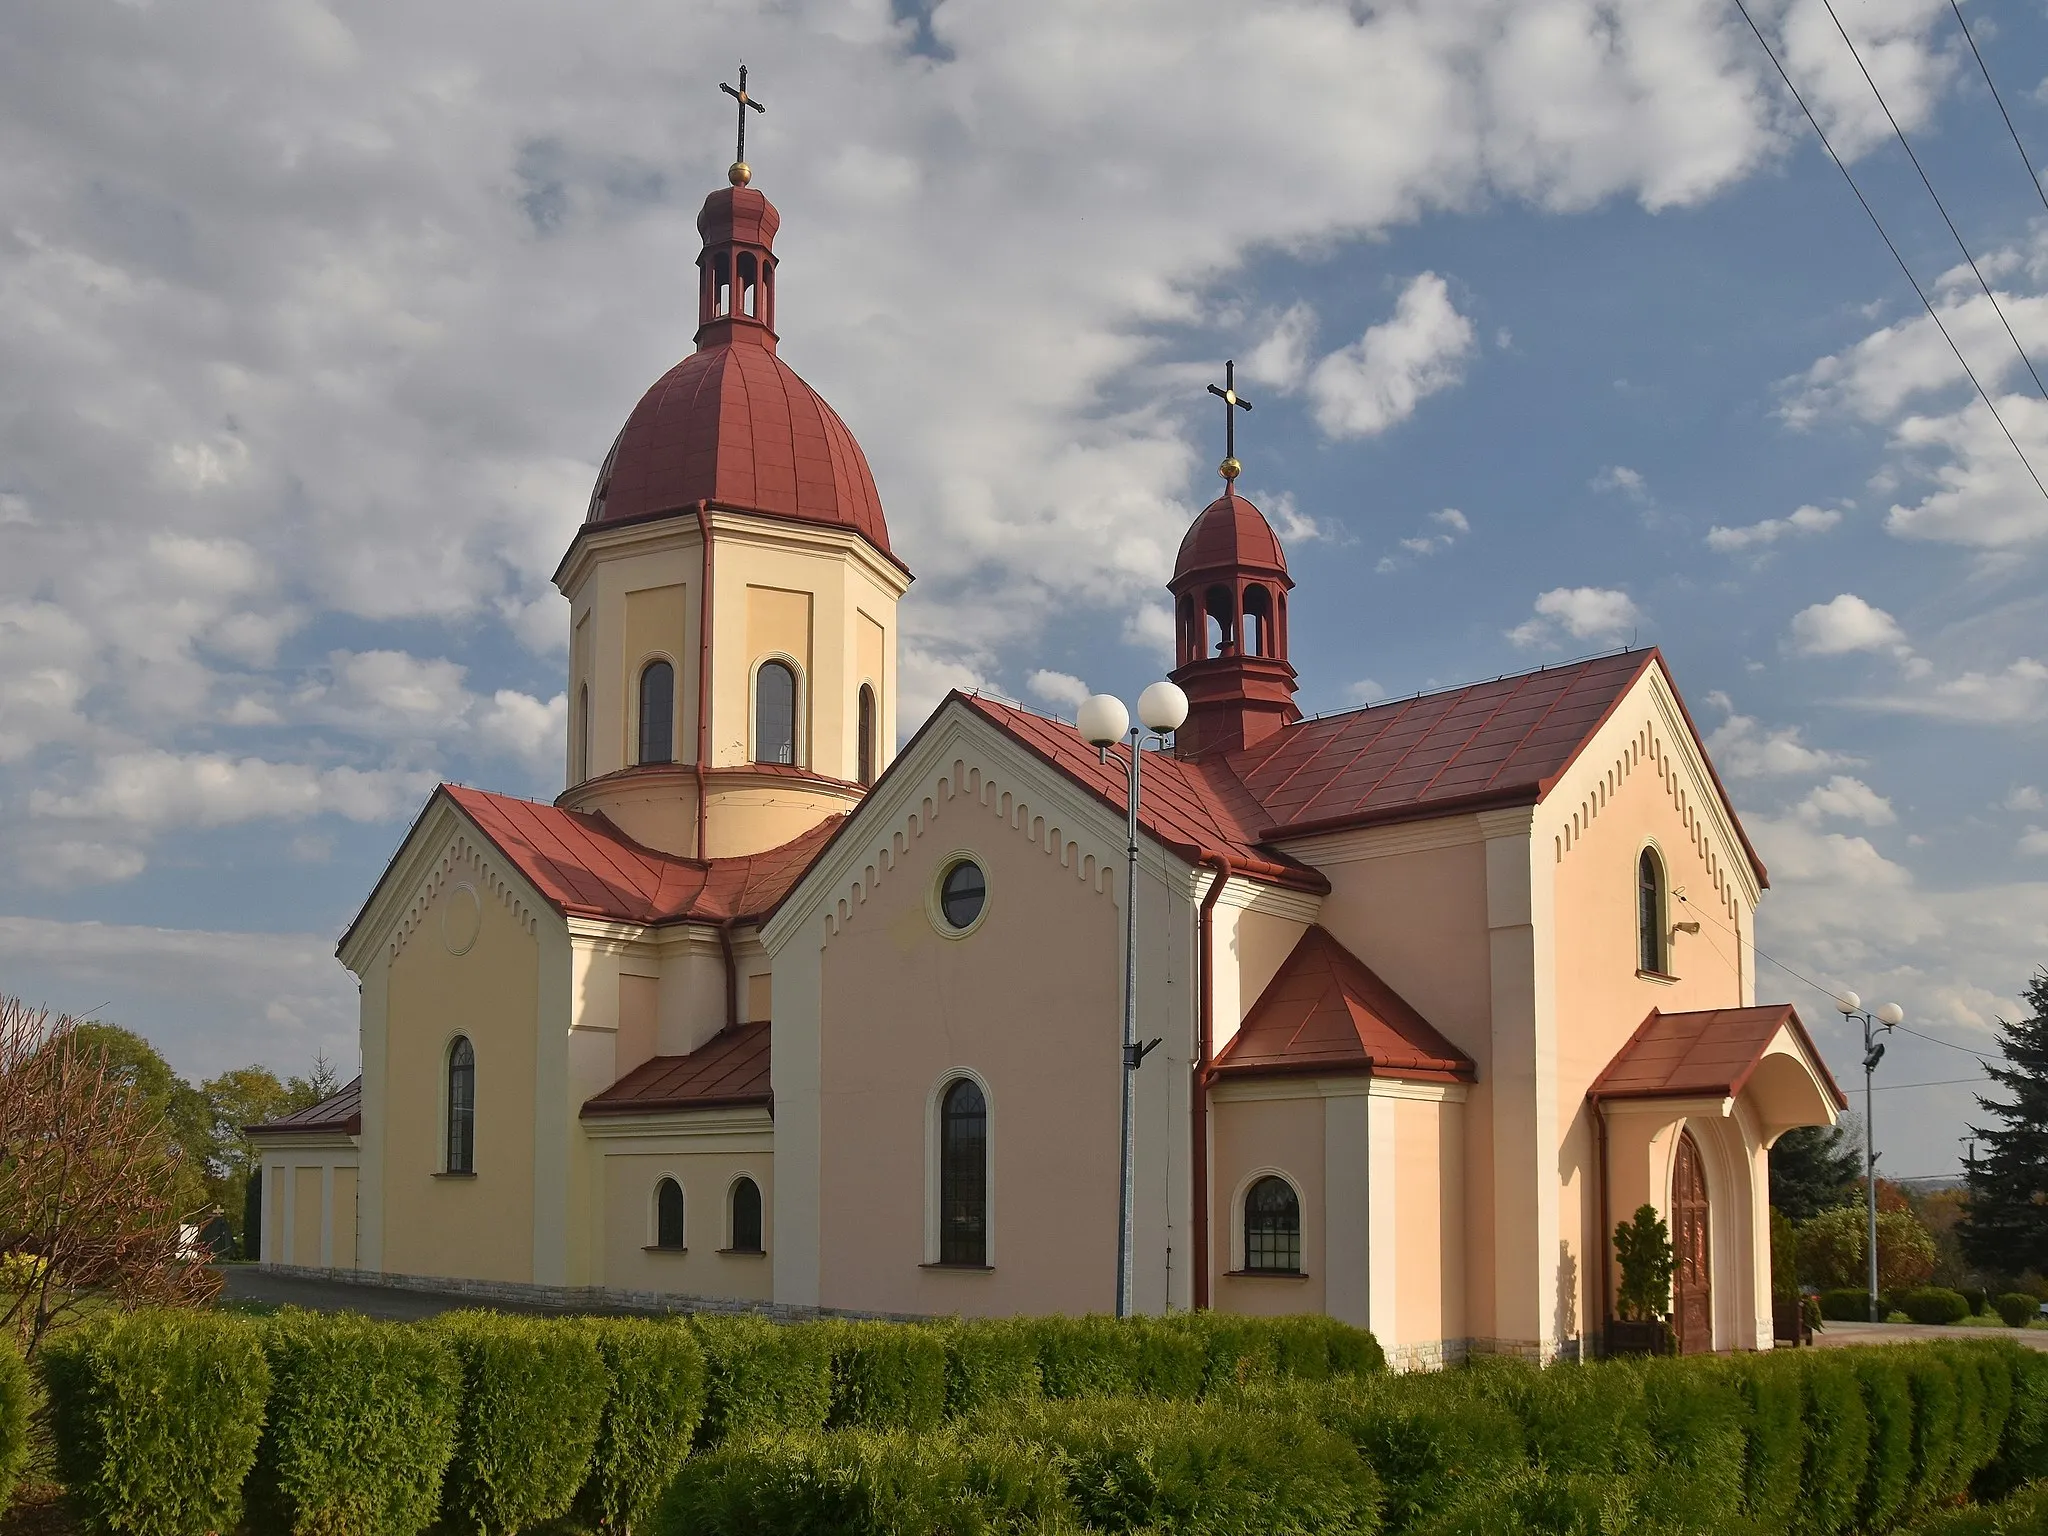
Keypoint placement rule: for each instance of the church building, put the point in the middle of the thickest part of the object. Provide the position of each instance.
(764, 1007)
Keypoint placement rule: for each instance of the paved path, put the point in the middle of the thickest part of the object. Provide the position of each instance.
(249, 1282)
(1836, 1335)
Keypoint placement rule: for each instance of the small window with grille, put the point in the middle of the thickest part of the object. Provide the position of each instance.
(1272, 1227)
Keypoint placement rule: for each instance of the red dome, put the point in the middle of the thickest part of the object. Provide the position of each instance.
(1231, 534)
(732, 424)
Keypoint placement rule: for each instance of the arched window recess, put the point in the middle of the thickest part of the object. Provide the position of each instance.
(668, 1215)
(1272, 1227)
(775, 712)
(745, 1200)
(868, 724)
(1653, 939)
(963, 1175)
(460, 1153)
(657, 712)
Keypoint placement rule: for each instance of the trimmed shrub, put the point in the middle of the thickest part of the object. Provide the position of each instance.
(1173, 1362)
(1199, 1468)
(156, 1416)
(1091, 1356)
(854, 1483)
(1774, 1423)
(1311, 1347)
(15, 1393)
(2023, 1514)
(361, 1426)
(1240, 1349)
(1428, 1439)
(533, 1398)
(887, 1376)
(988, 1362)
(1837, 1447)
(1888, 1401)
(654, 1402)
(1934, 1304)
(1576, 1419)
(2023, 1448)
(1694, 1416)
(762, 1377)
(1934, 1424)
(2015, 1309)
(1845, 1306)
(1977, 1300)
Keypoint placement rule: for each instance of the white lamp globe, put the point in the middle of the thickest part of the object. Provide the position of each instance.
(1891, 1015)
(1162, 707)
(1847, 1002)
(1103, 719)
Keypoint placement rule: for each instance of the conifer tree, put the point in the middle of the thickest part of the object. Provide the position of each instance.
(1815, 1168)
(2005, 1227)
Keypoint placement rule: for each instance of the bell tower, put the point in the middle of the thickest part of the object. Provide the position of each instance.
(1230, 586)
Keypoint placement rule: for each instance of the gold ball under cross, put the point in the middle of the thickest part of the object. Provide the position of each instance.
(739, 173)
(1230, 469)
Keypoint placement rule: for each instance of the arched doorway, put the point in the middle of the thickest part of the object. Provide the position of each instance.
(1692, 1297)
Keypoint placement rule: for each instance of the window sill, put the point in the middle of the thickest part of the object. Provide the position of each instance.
(455, 1173)
(1661, 976)
(744, 1253)
(970, 1269)
(1265, 1274)
(664, 1248)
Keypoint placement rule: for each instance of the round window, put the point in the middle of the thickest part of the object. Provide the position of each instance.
(962, 894)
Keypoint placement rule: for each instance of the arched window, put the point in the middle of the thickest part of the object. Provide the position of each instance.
(582, 737)
(657, 713)
(1272, 1227)
(668, 1214)
(775, 713)
(867, 734)
(1650, 954)
(963, 1175)
(461, 1106)
(1221, 635)
(721, 282)
(1258, 622)
(746, 1216)
(748, 295)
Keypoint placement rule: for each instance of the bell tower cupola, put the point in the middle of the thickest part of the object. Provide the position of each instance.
(1230, 586)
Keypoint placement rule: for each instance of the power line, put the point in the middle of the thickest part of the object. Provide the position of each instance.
(1878, 224)
(1939, 205)
(2032, 175)
(1946, 1082)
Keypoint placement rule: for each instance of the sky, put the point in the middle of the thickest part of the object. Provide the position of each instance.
(1562, 333)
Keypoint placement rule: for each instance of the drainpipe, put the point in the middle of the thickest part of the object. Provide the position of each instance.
(732, 971)
(704, 682)
(1206, 1048)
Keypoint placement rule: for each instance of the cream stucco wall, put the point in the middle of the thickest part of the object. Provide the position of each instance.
(481, 1227)
(309, 1195)
(705, 1159)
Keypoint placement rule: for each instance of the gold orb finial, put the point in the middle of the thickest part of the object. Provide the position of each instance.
(739, 173)
(1230, 469)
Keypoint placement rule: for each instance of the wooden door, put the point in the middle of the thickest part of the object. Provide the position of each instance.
(1692, 1298)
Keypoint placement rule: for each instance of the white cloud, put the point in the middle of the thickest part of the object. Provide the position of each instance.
(522, 726)
(1619, 478)
(1364, 691)
(1578, 613)
(1058, 687)
(1281, 360)
(1440, 530)
(1378, 380)
(154, 790)
(1846, 799)
(1293, 525)
(2014, 695)
(2025, 797)
(1743, 748)
(1807, 520)
(1843, 625)
(2034, 841)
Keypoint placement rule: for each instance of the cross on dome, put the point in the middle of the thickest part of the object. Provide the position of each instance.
(1232, 403)
(741, 173)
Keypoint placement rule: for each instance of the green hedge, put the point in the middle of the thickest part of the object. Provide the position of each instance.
(156, 1417)
(360, 1427)
(653, 1404)
(762, 1377)
(1934, 1304)
(1845, 1305)
(988, 1363)
(2016, 1309)
(15, 1394)
(887, 1376)
(533, 1398)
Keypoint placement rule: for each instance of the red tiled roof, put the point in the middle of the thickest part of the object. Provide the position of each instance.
(1503, 742)
(1709, 1053)
(584, 865)
(1189, 806)
(1328, 1011)
(341, 1110)
(728, 1069)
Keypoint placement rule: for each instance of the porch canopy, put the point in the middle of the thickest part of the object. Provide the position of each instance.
(1761, 1057)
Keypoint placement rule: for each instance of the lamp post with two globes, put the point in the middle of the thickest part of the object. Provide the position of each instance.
(1103, 721)
(1888, 1017)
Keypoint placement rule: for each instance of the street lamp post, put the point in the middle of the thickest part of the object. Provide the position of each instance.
(1888, 1017)
(1103, 720)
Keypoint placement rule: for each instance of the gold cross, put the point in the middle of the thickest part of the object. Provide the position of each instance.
(741, 173)
(1233, 402)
